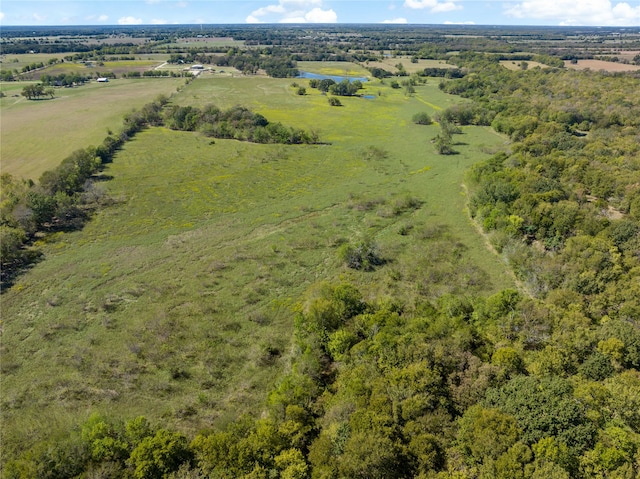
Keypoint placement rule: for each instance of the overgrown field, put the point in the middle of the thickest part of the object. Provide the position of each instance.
(177, 301)
(37, 135)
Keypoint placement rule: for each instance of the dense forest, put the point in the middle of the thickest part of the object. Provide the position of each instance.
(537, 382)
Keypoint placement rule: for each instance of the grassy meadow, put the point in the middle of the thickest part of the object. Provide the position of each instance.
(117, 67)
(17, 62)
(36, 135)
(177, 301)
(517, 64)
(389, 63)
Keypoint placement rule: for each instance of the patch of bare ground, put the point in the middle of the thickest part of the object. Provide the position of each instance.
(609, 212)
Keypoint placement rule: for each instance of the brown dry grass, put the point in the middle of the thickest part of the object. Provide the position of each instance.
(515, 64)
(601, 65)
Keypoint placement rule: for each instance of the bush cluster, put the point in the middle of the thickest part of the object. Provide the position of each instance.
(237, 123)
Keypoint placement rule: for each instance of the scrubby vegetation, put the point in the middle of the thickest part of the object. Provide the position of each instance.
(237, 123)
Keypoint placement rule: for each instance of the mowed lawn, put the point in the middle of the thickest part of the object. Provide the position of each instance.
(177, 301)
(36, 135)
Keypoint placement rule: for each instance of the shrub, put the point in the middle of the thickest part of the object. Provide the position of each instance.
(363, 255)
(159, 455)
(422, 118)
(333, 101)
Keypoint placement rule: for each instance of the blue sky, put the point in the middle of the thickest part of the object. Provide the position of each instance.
(478, 12)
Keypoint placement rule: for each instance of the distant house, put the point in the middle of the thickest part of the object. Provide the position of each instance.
(102, 80)
(197, 67)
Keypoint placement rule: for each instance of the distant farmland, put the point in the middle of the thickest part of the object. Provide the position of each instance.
(601, 65)
(75, 118)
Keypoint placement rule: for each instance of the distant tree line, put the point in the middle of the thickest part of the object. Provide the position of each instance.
(64, 79)
(277, 66)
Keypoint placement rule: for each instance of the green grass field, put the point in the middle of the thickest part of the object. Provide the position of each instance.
(17, 62)
(36, 135)
(117, 67)
(334, 68)
(389, 64)
(177, 301)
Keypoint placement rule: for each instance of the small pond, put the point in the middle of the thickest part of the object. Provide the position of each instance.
(335, 78)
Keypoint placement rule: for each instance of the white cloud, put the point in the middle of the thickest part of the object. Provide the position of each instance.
(293, 11)
(571, 12)
(103, 18)
(396, 20)
(260, 12)
(39, 18)
(460, 23)
(129, 21)
(419, 4)
(293, 20)
(445, 7)
(317, 15)
(1, 16)
(434, 6)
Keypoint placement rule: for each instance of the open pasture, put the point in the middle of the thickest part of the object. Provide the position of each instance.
(389, 63)
(17, 62)
(601, 65)
(37, 135)
(177, 301)
(92, 68)
(346, 69)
